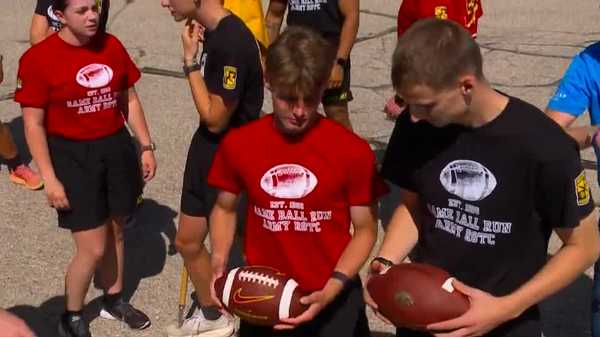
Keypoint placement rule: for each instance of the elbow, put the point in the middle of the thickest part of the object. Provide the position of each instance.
(215, 126)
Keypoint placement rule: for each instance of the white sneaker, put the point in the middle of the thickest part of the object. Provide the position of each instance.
(198, 326)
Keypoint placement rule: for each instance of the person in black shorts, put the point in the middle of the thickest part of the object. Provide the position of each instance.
(485, 179)
(227, 88)
(45, 22)
(337, 21)
(73, 106)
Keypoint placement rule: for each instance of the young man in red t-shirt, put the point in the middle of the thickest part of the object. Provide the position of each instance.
(307, 179)
(464, 12)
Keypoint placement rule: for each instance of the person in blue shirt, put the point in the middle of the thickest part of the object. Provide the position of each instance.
(578, 92)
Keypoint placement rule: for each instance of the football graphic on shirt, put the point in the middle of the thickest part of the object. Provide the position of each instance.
(51, 14)
(288, 181)
(94, 75)
(259, 295)
(468, 180)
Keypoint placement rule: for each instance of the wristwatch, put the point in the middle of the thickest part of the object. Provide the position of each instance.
(342, 61)
(383, 261)
(191, 68)
(149, 147)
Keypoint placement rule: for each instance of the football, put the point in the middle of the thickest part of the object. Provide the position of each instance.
(259, 295)
(414, 295)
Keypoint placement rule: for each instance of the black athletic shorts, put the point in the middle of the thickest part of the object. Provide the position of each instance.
(341, 94)
(344, 317)
(197, 198)
(101, 178)
(526, 325)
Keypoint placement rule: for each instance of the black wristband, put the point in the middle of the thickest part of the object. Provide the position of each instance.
(383, 261)
(191, 68)
(338, 275)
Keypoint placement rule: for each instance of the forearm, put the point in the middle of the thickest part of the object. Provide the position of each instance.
(222, 232)
(200, 95)
(401, 235)
(39, 29)
(348, 35)
(562, 269)
(358, 250)
(274, 19)
(582, 135)
(137, 120)
(35, 135)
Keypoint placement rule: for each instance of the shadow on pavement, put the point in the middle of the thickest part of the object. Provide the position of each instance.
(145, 246)
(42, 320)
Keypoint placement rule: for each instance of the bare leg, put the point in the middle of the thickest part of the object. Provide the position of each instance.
(190, 244)
(110, 268)
(90, 246)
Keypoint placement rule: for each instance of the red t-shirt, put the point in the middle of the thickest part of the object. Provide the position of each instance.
(299, 193)
(77, 87)
(463, 12)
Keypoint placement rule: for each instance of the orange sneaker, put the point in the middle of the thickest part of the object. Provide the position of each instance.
(23, 175)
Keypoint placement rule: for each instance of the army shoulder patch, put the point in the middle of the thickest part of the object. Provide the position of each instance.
(229, 77)
(582, 189)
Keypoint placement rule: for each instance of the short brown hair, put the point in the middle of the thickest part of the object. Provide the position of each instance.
(299, 62)
(435, 53)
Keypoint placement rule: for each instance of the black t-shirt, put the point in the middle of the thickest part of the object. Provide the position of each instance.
(321, 15)
(44, 7)
(231, 68)
(490, 196)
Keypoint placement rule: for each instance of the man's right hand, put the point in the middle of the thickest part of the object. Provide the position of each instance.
(12, 326)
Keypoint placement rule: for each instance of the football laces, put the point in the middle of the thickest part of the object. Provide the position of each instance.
(259, 278)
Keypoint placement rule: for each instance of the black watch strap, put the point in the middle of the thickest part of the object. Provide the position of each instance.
(191, 68)
(338, 275)
(341, 61)
(383, 261)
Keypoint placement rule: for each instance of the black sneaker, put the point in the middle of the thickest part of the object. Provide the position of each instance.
(125, 312)
(74, 326)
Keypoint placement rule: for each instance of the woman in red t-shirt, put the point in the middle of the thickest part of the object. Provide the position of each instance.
(76, 90)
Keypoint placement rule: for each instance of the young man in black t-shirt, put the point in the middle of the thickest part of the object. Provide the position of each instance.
(227, 88)
(337, 21)
(485, 179)
(44, 22)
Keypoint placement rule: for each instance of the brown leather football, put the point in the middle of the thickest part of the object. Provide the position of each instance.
(259, 295)
(414, 295)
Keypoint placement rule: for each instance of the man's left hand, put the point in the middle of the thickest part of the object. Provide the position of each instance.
(316, 301)
(486, 313)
